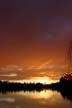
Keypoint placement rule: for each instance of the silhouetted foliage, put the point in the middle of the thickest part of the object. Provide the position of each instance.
(11, 86)
(64, 87)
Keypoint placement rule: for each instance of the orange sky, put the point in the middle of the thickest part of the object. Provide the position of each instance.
(34, 33)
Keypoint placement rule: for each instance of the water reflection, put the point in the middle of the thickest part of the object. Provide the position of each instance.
(37, 95)
(16, 95)
(45, 98)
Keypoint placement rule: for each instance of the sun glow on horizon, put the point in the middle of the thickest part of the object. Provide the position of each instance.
(43, 80)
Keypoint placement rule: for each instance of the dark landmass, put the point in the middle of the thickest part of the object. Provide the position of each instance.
(64, 87)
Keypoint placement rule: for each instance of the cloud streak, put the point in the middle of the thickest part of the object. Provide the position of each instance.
(8, 75)
(23, 73)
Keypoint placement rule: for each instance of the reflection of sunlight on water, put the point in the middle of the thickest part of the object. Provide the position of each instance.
(45, 94)
(43, 97)
(7, 99)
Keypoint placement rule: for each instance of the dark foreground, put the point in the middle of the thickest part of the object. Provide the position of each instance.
(64, 87)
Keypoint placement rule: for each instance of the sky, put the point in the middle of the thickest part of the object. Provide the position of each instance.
(34, 37)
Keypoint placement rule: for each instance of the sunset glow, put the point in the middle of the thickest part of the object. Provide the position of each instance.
(43, 80)
(35, 53)
(34, 38)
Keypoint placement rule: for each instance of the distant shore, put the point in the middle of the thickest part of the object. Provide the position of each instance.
(64, 87)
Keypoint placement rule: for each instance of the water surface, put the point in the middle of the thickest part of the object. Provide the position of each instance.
(42, 99)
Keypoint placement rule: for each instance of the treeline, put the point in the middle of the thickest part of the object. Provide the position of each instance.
(64, 87)
(11, 86)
